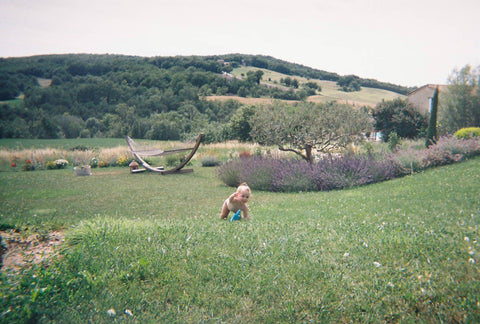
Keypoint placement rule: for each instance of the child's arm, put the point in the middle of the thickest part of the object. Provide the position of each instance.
(245, 213)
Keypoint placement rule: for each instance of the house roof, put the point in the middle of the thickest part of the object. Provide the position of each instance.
(441, 87)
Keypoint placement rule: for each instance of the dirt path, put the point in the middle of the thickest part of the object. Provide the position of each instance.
(19, 251)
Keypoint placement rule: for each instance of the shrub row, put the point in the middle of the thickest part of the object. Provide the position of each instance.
(39, 164)
(446, 150)
(468, 132)
(292, 175)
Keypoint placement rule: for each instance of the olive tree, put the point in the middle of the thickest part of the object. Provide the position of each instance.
(304, 127)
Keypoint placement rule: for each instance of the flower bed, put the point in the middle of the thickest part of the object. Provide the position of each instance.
(332, 172)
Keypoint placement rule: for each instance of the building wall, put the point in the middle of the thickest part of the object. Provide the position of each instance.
(421, 98)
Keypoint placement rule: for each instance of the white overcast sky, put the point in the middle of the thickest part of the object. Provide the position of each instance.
(406, 42)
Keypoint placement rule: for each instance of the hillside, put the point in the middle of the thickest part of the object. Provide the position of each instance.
(82, 95)
(330, 91)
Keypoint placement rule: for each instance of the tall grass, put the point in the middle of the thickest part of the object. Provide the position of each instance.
(147, 248)
(108, 152)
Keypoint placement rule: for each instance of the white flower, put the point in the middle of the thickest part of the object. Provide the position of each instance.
(471, 260)
(346, 255)
(377, 265)
(390, 285)
(365, 244)
(111, 312)
(128, 312)
(148, 239)
(467, 239)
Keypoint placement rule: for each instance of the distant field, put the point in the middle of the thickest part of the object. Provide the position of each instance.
(330, 92)
(13, 103)
(67, 144)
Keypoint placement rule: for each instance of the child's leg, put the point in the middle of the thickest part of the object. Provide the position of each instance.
(225, 211)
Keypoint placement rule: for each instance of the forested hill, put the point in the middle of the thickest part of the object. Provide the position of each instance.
(75, 95)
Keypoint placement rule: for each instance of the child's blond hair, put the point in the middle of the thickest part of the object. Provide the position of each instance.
(243, 187)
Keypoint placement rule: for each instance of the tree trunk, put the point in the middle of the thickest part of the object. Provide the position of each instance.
(308, 153)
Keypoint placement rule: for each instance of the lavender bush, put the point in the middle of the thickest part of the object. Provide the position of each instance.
(447, 150)
(292, 175)
(330, 173)
(230, 173)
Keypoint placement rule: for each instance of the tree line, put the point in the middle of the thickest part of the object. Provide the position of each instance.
(115, 95)
(162, 98)
(112, 95)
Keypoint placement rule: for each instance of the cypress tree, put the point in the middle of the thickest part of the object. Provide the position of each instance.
(432, 125)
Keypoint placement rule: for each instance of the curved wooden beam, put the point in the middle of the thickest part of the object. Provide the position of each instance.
(178, 168)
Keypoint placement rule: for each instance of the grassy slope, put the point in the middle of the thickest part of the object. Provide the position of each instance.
(153, 245)
(330, 92)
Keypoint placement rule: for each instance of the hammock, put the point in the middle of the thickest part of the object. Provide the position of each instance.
(138, 152)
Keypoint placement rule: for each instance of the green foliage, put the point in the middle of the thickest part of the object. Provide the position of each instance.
(468, 132)
(210, 161)
(432, 124)
(174, 159)
(164, 127)
(123, 161)
(291, 82)
(305, 127)
(400, 117)
(254, 76)
(230, 173)
(349, 83)
(51, 165)
(70, 126)
(89, 96)
(93, 162)
(461, 100)
(239, 124)
(393, 141)
(28, 165)
(61, 163)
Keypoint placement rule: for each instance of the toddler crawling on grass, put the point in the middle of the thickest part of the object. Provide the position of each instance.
(237, 201)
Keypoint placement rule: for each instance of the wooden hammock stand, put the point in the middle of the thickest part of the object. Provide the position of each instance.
(178, 169)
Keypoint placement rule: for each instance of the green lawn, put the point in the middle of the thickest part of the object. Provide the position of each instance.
(67, 144)
(152, 246)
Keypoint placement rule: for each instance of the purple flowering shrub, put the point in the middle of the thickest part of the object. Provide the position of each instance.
(230, 172)
(292, 175)
(452, 149)
(350, 171)
(446, 150)
(330, 173)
